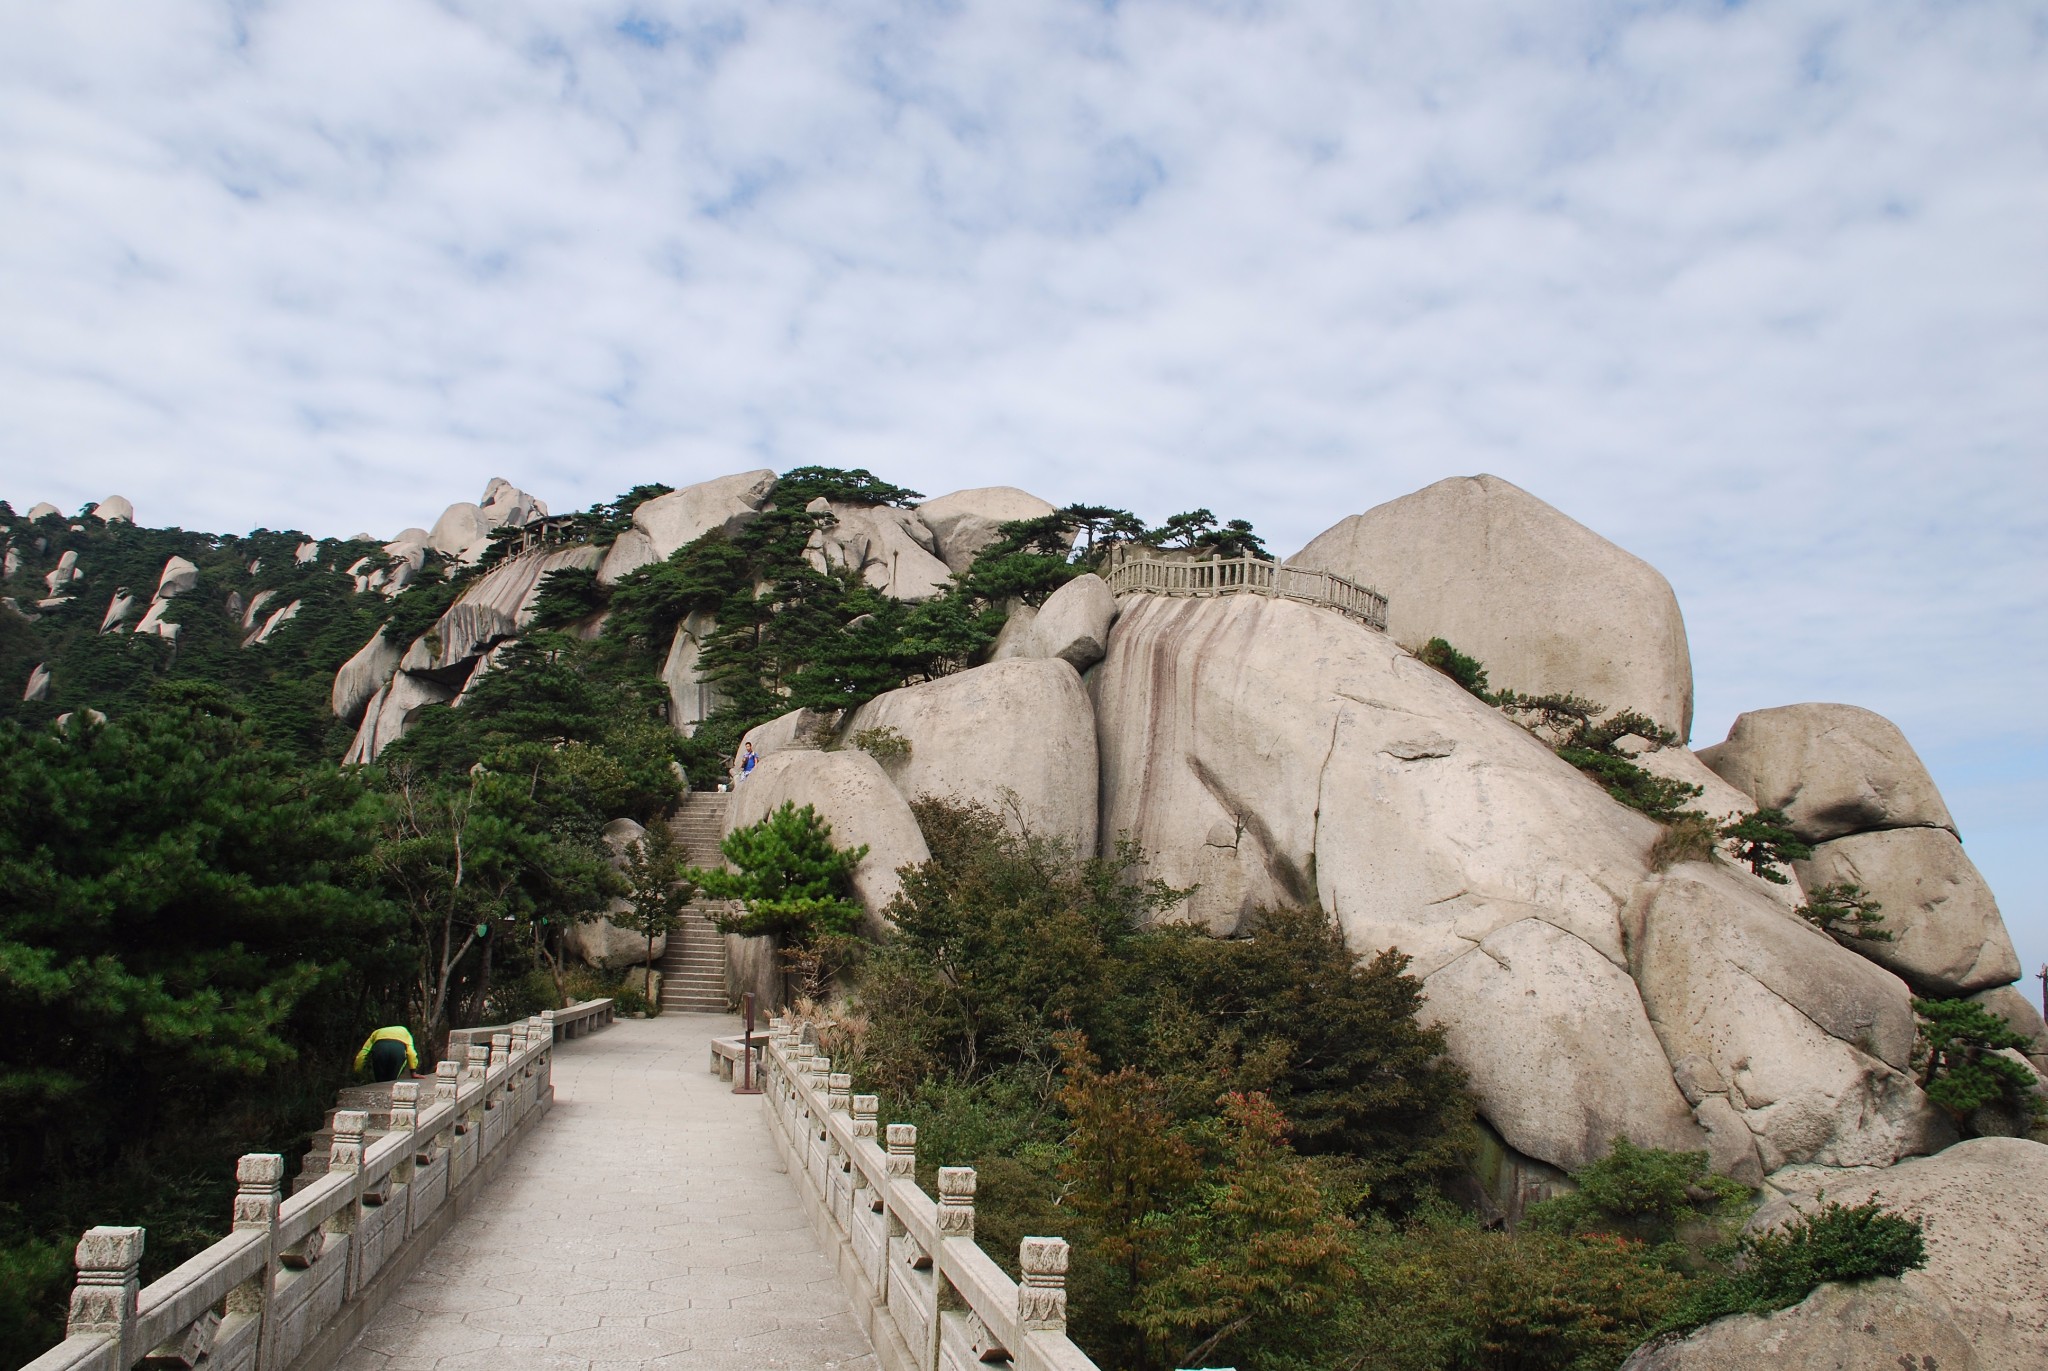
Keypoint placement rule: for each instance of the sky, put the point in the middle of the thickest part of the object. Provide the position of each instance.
(1758, 291)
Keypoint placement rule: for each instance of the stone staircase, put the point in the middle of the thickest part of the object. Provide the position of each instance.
(693, 967)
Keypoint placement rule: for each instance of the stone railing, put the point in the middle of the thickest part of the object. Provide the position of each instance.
(1247, 576)
(297, 1279)
(573, 1022)
(928, 1297)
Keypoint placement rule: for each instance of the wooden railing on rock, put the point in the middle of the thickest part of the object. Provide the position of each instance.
(1247, 576)
(928, 1297)
(294, 1283)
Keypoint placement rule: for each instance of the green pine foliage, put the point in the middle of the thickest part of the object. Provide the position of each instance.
(1845, 912)
(791, 880)
(1466, 671)
(1778, 1268)
(1961, 1068)
(655, 888)
(1644, 1194)
(1764, 841)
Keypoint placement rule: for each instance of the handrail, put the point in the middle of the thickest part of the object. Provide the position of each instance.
(1247, 575)
(572, 1022)
(935, 1301)
(296, 1278)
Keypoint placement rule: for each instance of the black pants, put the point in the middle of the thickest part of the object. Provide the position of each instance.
(387, 1059)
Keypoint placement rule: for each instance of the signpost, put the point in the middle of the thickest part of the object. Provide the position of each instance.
(744, 1085)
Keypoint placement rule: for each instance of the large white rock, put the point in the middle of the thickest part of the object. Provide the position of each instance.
(1014, 638)
(120, 609)
(464, 530)
(506, 505)
(511, 587)
(42, 509)
(277, 618)
(1882, 1325)
(112, 508)
(363, 675)
(38, 687)
(1546, 603)
(2020, 1016)
(1558, 1048)
(966, 521)
(849, 791)
(1073, 624)
(391, 711)
(1947, 935)
(800, 729)
(64, 573)
(1016, 736)
(457, 639)
(668, 522)
(1833, 769)
(1809, 1043)
(1980, 1204)
(255, 607)
(691, 700)
(889, 548)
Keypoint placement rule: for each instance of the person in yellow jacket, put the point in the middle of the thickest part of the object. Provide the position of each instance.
(388, 1051)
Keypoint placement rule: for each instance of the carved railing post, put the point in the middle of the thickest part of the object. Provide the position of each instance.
(447, 1081)
(109, 1262)
(956, 1202)
(1042, 1296)
(405, 1118)
(902, 1157)
(839, 1092)
(345, 1157)
(865, 1108)
(501, 1049)
(259, 1191)
(478, 1064)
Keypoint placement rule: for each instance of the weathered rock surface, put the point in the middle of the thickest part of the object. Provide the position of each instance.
(390, 712)
(464, 530)
(1277, 753)
(1014, 638)
(363, 675)
(450, 648)
(849, 791)
(1947, 935)
(690, 699)
(1980, 1204)
(41, 509)
(112, 508)
(668, 522)
(889, 548)
(64, 573)
(38, 687)
(1073, 624)
(800, 729)
(513, 585)
(1546, 603)
(178, 577)
(1833, 769)
(121, 607)
(1016, 736)
(255, 606)
(1558, 1047)
(2009, 1004)
(1882, 1325)
(607, 944)
(276, 619)
(966, 521)
(1809, 1042)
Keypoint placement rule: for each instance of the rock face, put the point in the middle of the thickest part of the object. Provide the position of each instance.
(112, 508)
(1833, 769)
(849, 792)
(1276, 753)
(966, 521)
(2021, 1017)
(1947, 935)
(690, 700)
(1017, 736)
(464, 530)
(42, 509)
(363, 675)
(1557, 1044)
(1543, 601)
(889, 548)
(601, 942)
(178, 577)
(38, 687)
(121, 607)
(668, 522)
(390, 712)
(1882, 1325)
(1014, 639)
(277, 618)
(1980, 1203)
(511, 587)
(1808, 1043)
(1073, 625)
(450, 648)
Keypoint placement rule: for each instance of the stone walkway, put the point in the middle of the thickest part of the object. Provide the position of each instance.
(647, 1222)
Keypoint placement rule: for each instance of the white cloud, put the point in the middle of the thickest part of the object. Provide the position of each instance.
(1756, 290)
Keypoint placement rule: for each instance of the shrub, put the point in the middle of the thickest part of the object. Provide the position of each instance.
(1643, 1193)
(1466, 671)
(1845, 912)
(884, 744)
(1688, 837)
(1764, 841)
(792, 881)
(1962, 1070)
(1779, 1268)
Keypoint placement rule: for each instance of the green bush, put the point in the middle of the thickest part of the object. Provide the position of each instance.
(1779, 1268)
(1961, 1069)
(1764, 841)
(1466, 671)
(791, 880)
(1643, 1193)
(1845, 912)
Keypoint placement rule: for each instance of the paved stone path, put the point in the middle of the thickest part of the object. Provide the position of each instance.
(646, 1222)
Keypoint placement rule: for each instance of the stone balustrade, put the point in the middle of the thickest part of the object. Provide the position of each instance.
(573, 1022)
(1128, 574)
(295, 1281)
(931, 1300)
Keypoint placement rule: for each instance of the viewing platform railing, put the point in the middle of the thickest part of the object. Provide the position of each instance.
(928, 1297)
(1247, 576)
(297, 1279)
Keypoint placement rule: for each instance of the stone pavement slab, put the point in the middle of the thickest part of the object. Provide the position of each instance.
(646, 1222)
